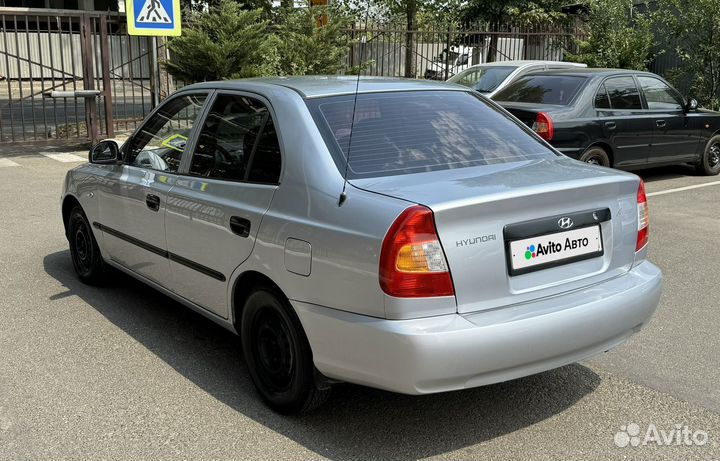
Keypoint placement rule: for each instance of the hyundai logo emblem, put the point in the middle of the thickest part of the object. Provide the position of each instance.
(565, 223)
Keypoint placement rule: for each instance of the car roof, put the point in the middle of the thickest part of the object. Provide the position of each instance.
(320, 86)
(590, 72)
(527, 62)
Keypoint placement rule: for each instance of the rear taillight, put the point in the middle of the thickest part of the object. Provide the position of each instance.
(544, 126)
(643, 218)
(412, 261)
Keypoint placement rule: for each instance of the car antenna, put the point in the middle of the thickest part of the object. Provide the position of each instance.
(363, 41)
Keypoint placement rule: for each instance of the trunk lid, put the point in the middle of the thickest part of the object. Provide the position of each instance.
(473, 206)
(527, 112)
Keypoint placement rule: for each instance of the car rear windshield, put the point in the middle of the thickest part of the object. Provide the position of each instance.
(483, 79)
(543, 89)
(416, 131)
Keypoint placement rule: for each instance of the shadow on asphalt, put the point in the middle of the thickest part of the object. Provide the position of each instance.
(667, 172)
(357, 422)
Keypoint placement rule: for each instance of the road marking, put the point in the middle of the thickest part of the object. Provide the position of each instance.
(64, 157)
(7, 162)
(680, 189)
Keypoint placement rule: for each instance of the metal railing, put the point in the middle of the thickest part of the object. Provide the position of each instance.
(78, 76)
(74, 54)
(438, 53)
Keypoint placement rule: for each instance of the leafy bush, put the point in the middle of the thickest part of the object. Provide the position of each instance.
(224, 42)
(691, 29)
(615, 39)
(307, 47)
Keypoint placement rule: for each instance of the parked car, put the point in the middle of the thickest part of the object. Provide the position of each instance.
(489, 78)
(619, 118)
(408, 235)
(449, 62)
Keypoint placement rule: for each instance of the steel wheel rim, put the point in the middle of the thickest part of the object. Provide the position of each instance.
(83, 249)
(714, 157)
(594, 160)
(272, 350)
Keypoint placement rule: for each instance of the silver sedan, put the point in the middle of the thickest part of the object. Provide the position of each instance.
(401, 234)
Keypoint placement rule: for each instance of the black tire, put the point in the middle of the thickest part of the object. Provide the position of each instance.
(84, 251)
(710, 161)
(278, 354)
(596, 155)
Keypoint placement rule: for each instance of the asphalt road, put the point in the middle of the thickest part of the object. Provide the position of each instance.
(123, 372)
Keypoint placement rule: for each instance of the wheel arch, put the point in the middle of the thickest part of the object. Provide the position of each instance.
(244, 284)
(606, 147)
(69, 202)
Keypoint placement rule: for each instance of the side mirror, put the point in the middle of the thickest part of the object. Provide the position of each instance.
(105, 153)
(692, 104)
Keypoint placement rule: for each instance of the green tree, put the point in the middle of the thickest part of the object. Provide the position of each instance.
(512, 12)
(222, 43)
(517, 12)
(691, 28)
(618, 37)
(311, 40)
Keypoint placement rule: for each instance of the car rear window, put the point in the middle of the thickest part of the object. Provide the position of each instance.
(543, 89)
(416, 131)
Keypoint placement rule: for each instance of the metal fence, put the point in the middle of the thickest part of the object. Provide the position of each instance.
(440, 53)
(67, 52)
(45, 51)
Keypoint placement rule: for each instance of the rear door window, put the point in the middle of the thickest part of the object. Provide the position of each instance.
(623, 93)
(238, 142)
(543, 89)
(417, 131)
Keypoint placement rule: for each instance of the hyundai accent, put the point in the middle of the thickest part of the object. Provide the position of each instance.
(401, 234)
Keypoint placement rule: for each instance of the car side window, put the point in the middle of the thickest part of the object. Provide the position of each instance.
(623, 93)
(237, 142)
(660, 96)
(160, 142)
(601, 98)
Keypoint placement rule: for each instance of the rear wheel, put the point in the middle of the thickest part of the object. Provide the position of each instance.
(596, 156)
(710, 161)
(278, 354)
(84, 250)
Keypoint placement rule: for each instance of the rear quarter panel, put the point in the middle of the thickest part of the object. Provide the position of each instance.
(345, 241)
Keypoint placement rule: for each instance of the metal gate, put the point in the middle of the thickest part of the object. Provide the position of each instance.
(74, 75)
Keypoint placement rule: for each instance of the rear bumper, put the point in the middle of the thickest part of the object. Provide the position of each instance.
(450, 352)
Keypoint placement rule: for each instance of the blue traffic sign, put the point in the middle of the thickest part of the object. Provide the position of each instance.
(153, 17)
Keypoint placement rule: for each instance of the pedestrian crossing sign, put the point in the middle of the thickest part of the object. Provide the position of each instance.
(153, 17)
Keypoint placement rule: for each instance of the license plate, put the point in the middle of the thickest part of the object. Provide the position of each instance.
(551, 250)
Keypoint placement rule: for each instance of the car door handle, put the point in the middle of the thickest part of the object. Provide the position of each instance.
(240, 226)
(611, 125)
(152, 202)
(660, 123)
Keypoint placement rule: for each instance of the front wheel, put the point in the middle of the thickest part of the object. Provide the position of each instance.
(595, 156)
(278, 354)
(84, 250)
(710, 161)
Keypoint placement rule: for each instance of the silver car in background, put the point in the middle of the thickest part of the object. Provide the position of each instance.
(489, 78)
(461, 251)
